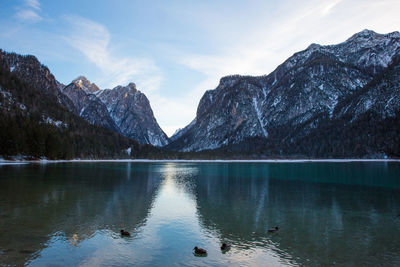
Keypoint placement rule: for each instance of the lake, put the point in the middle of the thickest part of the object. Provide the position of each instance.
(345, 214)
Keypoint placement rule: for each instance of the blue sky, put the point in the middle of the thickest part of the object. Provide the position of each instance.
(176, 50)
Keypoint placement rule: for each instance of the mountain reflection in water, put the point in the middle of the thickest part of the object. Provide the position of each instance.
(327, 213)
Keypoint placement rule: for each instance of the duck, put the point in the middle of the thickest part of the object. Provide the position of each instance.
(200, 251)
(125, 233)
(225, 246)
(273, 230)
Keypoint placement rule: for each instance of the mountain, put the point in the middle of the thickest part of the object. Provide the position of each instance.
(123, 109)
(38, 120)
(30, 70)
(82, 94)
(130, 109)
(321, 90)
(381, 96)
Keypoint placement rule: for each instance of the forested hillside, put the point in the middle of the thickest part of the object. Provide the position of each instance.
(33, 123)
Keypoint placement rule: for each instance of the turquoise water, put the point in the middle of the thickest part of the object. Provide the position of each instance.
(344, 214)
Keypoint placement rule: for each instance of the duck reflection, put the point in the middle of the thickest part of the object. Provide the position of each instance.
(70, 202)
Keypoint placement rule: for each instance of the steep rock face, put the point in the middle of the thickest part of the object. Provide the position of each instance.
(122, 109)
(30, 70)
(300, 94)
(82, 93)
(381, 96)
(84, 84)
(131, 112)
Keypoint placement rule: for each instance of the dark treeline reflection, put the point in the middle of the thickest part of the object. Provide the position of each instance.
(327, 213)
(71, 201)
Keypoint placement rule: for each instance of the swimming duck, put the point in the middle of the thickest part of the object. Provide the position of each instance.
(125, 233)
(225, 246)
(200, 251)
(273, 230)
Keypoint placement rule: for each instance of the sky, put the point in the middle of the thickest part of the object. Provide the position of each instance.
(176, 50)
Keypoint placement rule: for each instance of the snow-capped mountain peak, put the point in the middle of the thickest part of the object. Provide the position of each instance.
(83, 83)
(304, 92)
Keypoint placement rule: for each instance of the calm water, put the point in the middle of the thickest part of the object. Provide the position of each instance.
(344, 214)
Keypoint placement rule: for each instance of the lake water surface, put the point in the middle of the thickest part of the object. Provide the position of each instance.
(70, 214)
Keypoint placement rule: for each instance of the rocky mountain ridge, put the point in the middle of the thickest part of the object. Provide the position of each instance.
(300, 95)
(130, 109)
(89, 107)
(124, 110)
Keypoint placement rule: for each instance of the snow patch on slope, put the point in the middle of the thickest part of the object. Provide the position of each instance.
(259, 116)
(49, 120)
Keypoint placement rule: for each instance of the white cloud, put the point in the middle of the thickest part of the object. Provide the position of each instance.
(29, 12)
(28, 15)
(33, 4)
(269, 42)
(93, 40)
(328, 7)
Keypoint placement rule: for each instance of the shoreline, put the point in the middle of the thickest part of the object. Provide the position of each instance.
(45, 161)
